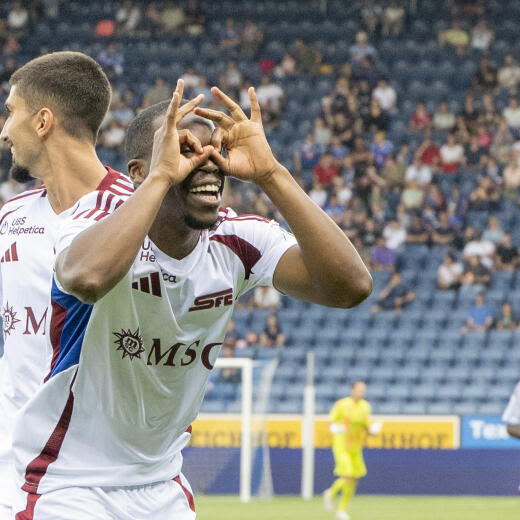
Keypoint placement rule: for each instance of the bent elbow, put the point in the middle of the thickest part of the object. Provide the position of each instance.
(354, 293)
(85, 287)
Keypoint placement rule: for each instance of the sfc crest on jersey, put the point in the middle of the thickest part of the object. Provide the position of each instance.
(130, 343)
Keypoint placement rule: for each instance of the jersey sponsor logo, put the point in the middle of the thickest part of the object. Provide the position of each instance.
(130, 343)
(18, 228)
(9, 319)
(213, 300)
(148, 284)
(10, 255)
(31, 321)
(146, 254)
(180, 354)
(170, 278)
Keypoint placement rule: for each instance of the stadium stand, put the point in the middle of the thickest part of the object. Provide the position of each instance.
(322, 61)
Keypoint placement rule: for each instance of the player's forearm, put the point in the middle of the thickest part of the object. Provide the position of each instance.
(338, 275)
(514, 430)
(99, 257)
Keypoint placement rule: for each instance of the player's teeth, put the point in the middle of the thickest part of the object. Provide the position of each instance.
(207, 187)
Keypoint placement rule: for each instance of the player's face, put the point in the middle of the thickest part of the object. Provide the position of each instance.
(19, 133)
(359, 390)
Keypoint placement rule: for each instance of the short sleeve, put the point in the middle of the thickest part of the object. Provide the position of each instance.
(258, 243)
(511, 414)
(89, 210)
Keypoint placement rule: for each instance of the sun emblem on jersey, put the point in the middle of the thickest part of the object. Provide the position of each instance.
(130, 343)
(9, 318)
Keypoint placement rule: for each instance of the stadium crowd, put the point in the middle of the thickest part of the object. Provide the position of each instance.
(388, 190)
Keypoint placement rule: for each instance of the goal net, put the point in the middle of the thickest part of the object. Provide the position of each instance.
(229, 450)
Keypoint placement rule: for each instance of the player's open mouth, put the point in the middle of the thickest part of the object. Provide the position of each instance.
(206, 193)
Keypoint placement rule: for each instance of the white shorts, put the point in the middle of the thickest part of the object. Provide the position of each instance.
(7, 488)
(172, 499)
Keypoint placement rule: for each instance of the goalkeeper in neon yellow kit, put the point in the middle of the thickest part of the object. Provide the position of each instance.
(350, 425)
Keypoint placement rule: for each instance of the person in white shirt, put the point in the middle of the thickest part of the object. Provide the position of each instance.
(55, 107)
(509, 75)
(418, 171)
(386, 95)
(141, 303)
(512, 113)
(394, 235)
(450, 272)
(483, 249)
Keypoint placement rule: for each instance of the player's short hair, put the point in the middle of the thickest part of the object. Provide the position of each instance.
(140, 132)
(358, 382)
(70, 83)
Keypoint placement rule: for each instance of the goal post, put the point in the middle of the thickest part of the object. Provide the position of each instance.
(246, 366)
(309, 405)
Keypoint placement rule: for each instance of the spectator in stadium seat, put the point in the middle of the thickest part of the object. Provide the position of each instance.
(394, 296)
(512, 115)
(429, 153)
(271, 98)
(382, 258)
(481, 36)
(272, 336)
(480, 316)
(17, 19)
(417, 232)
(266, 298)
(306, 57)
(195, 18)
(308, 154)
(486, 196)
(444, 118)
(394, 172)
(452, 155)
(509, 74)
(456, 37)
(469, 115)
(326, 170)
(361, 49)
(394, 234)
(393, 18)
(476, 273)
(322, 133)
(112, 60)
(485, 78)
(419, 172)
(412, 196)
(443, 234)
(421, 119)
(251, 38)
(476, 246)
(386, 95)
(506, 254)
(371, 14)
(152, 19)
(334, 209)
(172, 19)
(128, 17)
(287, 66)
(318, 194)
(159, 92)
(380, 149)
(506, 320)
(473, 152)
(377, 119)
(449, 273)
(494, 232)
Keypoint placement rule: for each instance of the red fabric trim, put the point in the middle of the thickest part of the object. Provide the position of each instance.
(189, 496)
(14, 252)
(59, 314)
(28, 513)
(248, 253)
(28, 193)
(37, 468)
(8, 213)
(108, 179)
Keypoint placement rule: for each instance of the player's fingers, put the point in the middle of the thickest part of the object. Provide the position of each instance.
(216, 138)
(185, 136)
(256, 114)
(223, 120)
(189, 106)
(197, 160)
(169, 122)
(219, 160)
(234, 108)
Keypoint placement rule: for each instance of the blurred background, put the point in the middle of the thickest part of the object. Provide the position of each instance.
(401, 120)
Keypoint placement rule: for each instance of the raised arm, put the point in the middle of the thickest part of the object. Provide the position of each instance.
(325, 267)
(100, 256)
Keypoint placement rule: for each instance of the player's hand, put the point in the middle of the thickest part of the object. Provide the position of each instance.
(249, 156)
(167, 161)
(375, 428)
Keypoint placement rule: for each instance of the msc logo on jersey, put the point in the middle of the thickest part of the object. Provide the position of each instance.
(9, 318)
(10, 255)
(130, 343)
(216, 299)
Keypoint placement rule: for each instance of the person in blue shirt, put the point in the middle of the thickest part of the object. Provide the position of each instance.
(480, 316)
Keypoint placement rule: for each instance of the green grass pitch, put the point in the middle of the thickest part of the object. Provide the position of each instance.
(362, 508)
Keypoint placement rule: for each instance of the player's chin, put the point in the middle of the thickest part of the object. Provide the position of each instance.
(201, 219)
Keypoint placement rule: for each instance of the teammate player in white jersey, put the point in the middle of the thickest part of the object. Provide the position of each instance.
(141, 303)
(511, 415)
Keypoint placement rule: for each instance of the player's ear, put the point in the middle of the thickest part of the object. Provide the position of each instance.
(137, 171)
(44, 120)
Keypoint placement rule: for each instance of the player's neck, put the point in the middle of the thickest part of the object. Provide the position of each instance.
(69, 171)
(172, 236)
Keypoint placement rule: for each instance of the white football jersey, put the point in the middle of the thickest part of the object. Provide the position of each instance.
(129, 372)
(511, 414)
